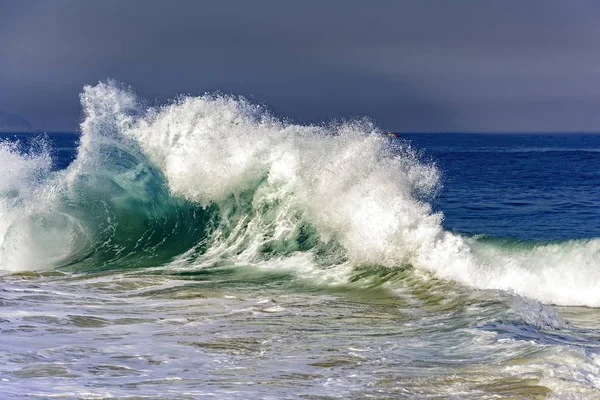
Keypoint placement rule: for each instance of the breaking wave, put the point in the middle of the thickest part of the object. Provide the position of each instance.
(216, 179)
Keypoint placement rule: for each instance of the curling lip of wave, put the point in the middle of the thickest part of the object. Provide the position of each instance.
(245, 187)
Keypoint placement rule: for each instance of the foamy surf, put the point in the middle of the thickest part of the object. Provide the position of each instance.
(216, 177)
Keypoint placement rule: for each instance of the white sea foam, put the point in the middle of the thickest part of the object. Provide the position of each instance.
(354, 186)
(349, 183)
(23, 193)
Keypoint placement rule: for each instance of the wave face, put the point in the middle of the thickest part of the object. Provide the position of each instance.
(216, 179)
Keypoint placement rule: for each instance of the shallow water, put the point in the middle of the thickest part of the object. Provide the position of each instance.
(223, 334)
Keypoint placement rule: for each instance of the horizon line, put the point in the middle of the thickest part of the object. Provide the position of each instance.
(424, 132)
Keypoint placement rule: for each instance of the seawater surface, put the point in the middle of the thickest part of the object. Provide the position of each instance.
(206, 249)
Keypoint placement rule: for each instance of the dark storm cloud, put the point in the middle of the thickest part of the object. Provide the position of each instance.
(411, 65)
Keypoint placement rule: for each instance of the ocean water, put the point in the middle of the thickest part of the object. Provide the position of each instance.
(207, 249)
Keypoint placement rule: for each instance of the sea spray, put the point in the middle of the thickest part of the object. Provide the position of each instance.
(216, 178)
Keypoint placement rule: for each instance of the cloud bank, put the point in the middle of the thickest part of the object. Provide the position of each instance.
(413, 65)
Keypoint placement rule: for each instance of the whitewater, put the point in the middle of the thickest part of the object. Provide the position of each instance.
(206, 248)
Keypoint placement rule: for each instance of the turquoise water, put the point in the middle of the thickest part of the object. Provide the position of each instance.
(206, 249)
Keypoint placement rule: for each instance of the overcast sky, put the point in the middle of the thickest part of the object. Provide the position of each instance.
(422, 65)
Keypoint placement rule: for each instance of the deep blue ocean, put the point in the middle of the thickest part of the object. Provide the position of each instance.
(522, 186)
(207, 249)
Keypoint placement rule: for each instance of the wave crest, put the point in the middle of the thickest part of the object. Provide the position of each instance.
(213, 178)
